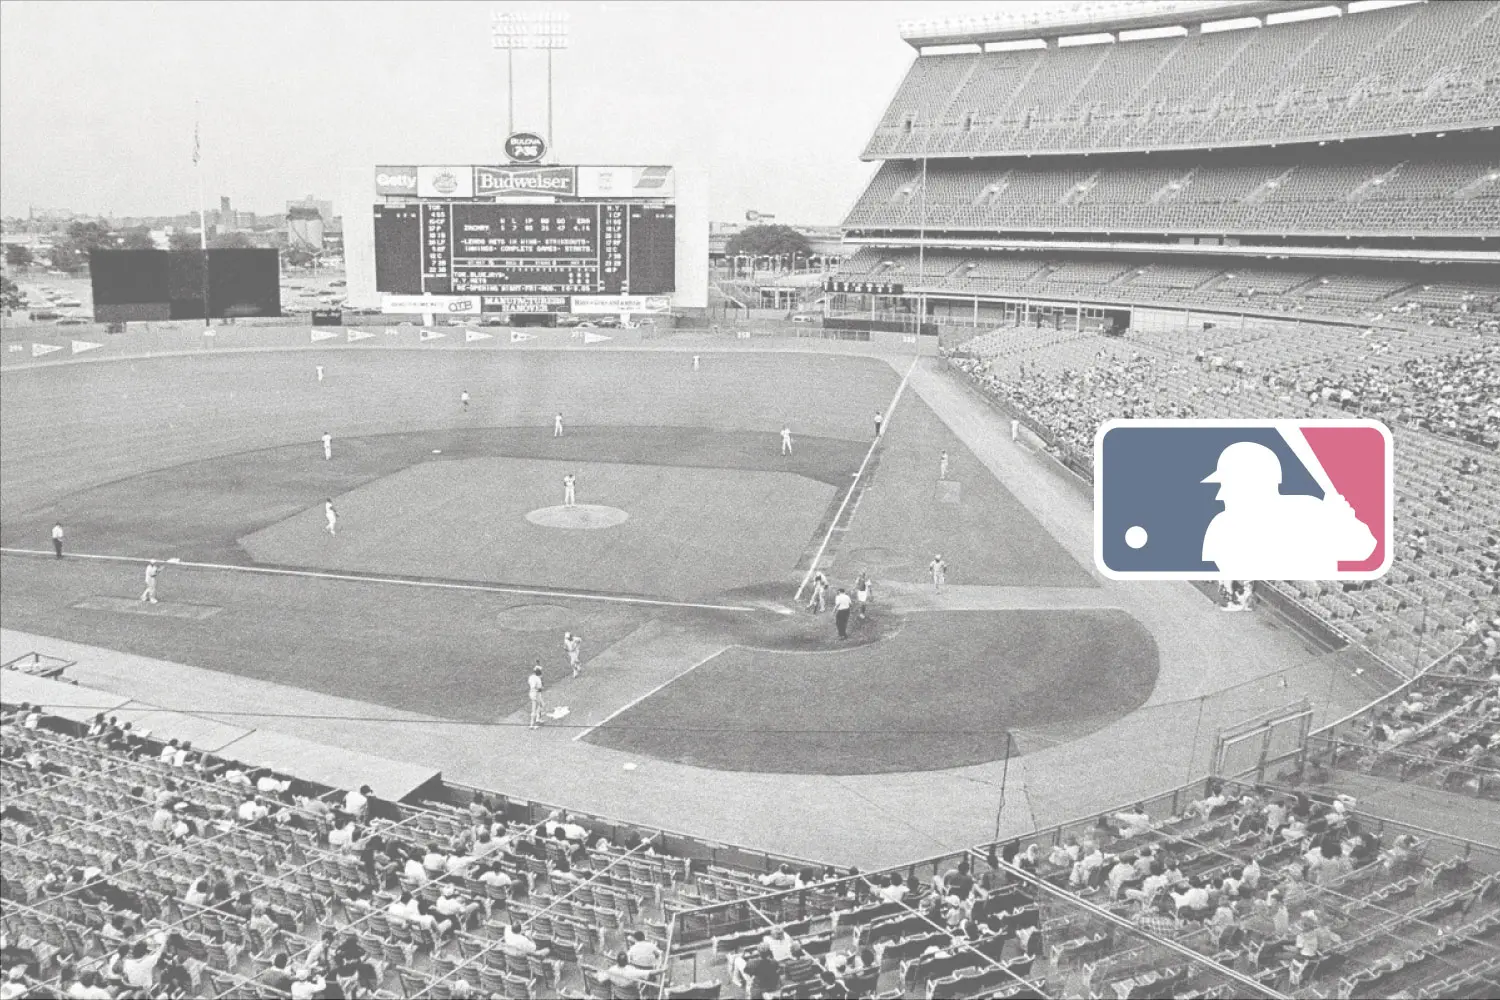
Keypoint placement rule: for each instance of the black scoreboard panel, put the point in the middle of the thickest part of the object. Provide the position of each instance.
(570, 248)
(142, 285)
(398, 250)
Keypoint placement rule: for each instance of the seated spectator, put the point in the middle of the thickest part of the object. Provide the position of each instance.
(458, 912)
(623, 973)
(894, 890)
(1066, 854)
(800, 967)
(1203, 808)
(571, 831)
(251, 811)
(1090, 861)
(517, 942)
(1192, 901)
(139, 970)
(1133, 821)
(1121, 872)
(277, 977)
(764, 975)
(306, 985)
(357, 802)
(781, 878)
(89, 987)
(643, 953)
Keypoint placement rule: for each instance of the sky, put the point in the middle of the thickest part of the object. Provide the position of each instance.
(773, 100)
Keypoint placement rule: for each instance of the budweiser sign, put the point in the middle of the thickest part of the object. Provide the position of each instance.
(501, 181)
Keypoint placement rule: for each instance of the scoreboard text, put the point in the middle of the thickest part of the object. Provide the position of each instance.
(572, 248)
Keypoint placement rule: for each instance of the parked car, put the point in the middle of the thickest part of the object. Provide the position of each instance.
(72, 321)
(806, 318)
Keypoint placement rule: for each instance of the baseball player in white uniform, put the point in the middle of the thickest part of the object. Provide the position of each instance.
(939, 571)
(327, 446)
(786, 440)
(463, 399)
(557, 426)
(573, 645)
(332, 527)
(943, 466)
(862, 589)
(320, 373)
(534, 692)
(818, 601)
(568, 490)
(149, 594)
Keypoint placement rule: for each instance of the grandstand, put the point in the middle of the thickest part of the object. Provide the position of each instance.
(1289, 218)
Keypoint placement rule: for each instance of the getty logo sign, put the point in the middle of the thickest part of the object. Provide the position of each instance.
(1243, 499)
(396, 180)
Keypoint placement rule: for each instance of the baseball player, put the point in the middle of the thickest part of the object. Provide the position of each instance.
(332, 516)
(695, 362)
(320, 373)
(57, 539)
(463, 399)
(819, 593)
(786, 440)
(879, 421)
(939, 571)
(573, 645)
(862, 589)
(943, 466)
(534, 693)
(327, 446)
(557, 426)
(568, 482)
(149, 594)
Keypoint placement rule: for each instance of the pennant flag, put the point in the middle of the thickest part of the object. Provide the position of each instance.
(594, 338)
(318, 335)
(516, 336)
(472, 335)
(37, 350)
(359, 335)
(427, 335)
(79, 346)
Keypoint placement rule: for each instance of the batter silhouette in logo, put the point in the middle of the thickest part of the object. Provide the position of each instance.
(1244, 499)
(1263, 534)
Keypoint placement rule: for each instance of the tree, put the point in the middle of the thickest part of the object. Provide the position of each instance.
(138, 238)
(86, 236)
(64, 257)
(179, 241)
(10, 295)
(767, 241)
(231, 241)
(18, 255)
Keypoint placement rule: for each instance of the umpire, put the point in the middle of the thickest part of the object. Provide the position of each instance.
(841, 605)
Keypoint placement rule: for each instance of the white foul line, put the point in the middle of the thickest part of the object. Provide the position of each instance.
(889, 414)
(396, 581)
(636, 701)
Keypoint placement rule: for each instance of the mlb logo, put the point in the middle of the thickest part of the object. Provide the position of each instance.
(1243, 499)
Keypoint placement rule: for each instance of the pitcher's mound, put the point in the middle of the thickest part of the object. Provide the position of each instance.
(584, 516)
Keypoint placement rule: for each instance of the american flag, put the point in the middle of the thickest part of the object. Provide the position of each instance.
(195, 144)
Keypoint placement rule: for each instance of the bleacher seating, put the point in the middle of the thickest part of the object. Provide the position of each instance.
(1430, 187)
(1400, 70)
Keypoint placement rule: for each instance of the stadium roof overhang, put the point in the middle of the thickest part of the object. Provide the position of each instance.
(1091, 18)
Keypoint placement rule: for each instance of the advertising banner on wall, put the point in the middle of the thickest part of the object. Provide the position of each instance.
(525, 303)
(502, 181)
(396, 181)
(450, 304)
(445, 182)
(602, 305)
(626, 182)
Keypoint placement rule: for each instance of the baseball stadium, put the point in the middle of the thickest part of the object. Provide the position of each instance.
(338, 746)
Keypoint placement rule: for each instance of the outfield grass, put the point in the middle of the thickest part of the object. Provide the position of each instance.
(941, 692)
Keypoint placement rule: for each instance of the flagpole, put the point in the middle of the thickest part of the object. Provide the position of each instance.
(202, 214)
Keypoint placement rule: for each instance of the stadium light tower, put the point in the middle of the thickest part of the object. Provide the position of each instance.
(529, 29)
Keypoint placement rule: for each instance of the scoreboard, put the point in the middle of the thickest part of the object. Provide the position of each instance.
(493, 248)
